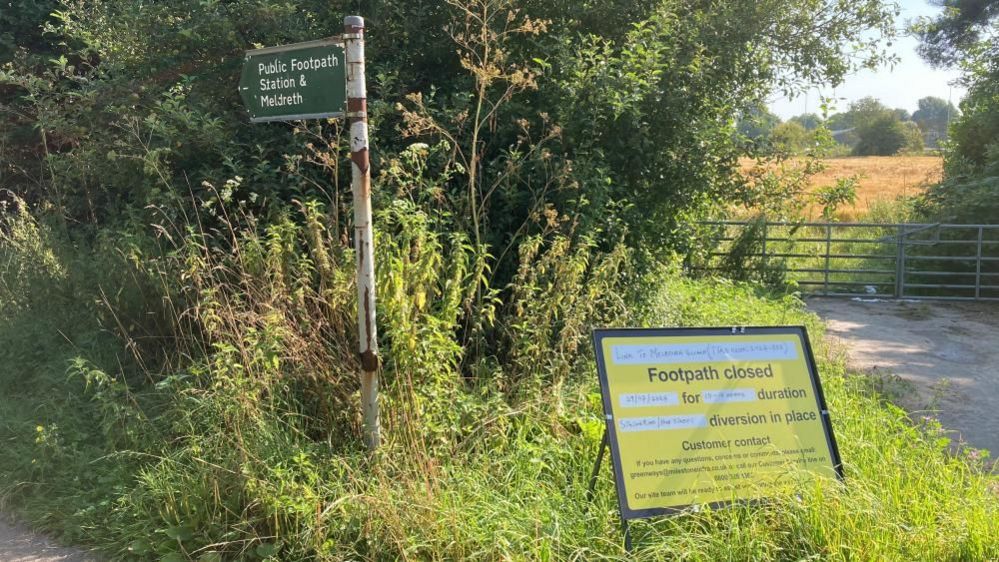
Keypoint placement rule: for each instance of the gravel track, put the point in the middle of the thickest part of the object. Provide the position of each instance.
(18, 544)
(947, 352)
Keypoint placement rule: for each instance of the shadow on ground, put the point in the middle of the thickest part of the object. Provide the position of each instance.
(948, 351)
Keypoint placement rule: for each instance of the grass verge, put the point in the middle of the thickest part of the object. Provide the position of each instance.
(222, 456)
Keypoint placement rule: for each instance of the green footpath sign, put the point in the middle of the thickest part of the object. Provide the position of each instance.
(300, 81)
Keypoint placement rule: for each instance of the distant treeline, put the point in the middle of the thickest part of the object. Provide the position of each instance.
(867, 128)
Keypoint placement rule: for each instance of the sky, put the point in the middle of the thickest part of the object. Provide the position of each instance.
(902, 86)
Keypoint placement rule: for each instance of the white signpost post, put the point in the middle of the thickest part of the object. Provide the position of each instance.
(304, 81)
(357, 117)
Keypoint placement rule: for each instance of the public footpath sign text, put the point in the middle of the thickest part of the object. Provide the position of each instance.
(709, 415)
(300, 81)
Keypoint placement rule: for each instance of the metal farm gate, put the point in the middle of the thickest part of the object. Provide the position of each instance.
(935, 261)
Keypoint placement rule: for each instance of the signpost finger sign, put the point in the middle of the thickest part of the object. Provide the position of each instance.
(300, 81)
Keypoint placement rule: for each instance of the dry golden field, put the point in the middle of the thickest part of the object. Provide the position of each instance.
(881, 177)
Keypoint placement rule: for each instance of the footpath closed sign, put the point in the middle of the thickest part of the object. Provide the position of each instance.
(300, 81)
(710, 415)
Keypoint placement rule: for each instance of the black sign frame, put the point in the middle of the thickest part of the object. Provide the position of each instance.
(600, 334)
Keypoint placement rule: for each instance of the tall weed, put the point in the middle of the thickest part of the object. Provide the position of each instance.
(251, 450)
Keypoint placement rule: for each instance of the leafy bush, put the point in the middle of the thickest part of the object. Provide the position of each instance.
(791, 137)
(964, 200)
(831, 197)
(635, 99)
(883, 136)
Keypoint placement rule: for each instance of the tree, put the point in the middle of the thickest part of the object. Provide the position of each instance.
(963, 26)
(883, 136)
(866, 110)
(809, 121)
(933, 117)
(845, 126)
(934, 113)
(634, 97)
(839, 121)
(965, 35)
(914, 142)
(791, 138)
(757, 122)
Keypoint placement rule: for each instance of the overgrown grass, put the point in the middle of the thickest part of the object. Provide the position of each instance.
(127, 431)
(862, 259)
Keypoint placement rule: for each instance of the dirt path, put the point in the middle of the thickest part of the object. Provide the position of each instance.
(18, 544)
(948, 351)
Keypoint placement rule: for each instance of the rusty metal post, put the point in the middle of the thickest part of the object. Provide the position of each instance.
(357, 117)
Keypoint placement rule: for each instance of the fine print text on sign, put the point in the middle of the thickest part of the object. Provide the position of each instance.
(706, 416)
(300, 81)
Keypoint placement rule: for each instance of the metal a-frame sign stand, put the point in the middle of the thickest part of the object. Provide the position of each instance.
(324, 79)
(592, 487)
